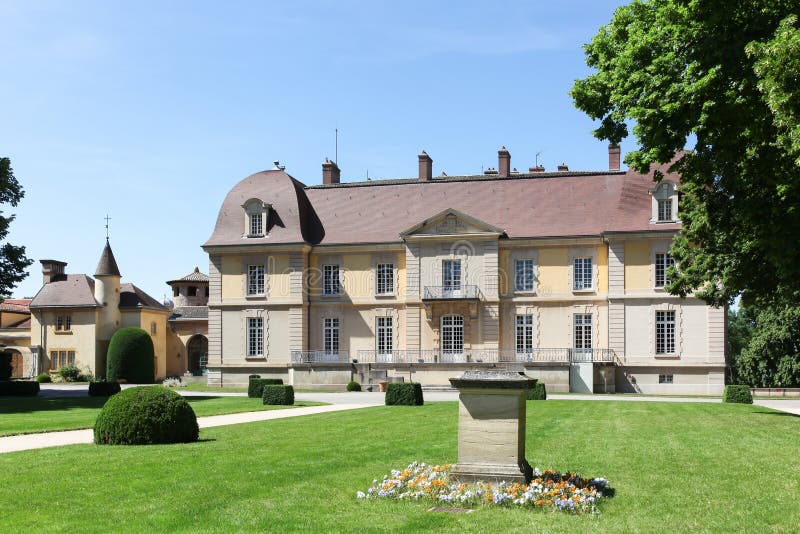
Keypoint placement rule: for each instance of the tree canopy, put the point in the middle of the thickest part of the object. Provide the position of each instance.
(770, 356)
(12, 258)
(723, 75)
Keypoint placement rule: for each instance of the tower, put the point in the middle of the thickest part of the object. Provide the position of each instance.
(106, 293)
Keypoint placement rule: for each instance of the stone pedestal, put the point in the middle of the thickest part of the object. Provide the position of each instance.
(491, 427)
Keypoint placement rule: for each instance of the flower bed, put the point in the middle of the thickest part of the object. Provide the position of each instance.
(549, 489)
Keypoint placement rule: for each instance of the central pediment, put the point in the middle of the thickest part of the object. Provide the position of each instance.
(451, 222)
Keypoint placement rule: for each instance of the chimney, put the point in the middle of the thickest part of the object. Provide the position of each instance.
(425, 167)
(503, 162)
(563, 167)
(52, 270)
(330, 172)
(613, 157)
(538, 168)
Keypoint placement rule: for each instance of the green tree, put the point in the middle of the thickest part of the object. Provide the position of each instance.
(741, 324)
(12, 258)
(723, 74)
(771, 357)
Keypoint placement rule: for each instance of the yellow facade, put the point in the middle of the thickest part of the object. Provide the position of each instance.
(553, 273)
(637, 265)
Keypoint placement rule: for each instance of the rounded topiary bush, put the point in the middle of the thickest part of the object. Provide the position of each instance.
(44, 378)
(146, 415)
(738, 393)
(353, 386)
(131, 357)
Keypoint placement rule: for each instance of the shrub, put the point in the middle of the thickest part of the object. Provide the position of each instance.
(254, 376)
(404, 393)
(131, 356)
(44, 378)
(19, 388)
(255, 388)
(103, 389)
(146, 415)
(278, 394)
(537, 392)
(353, 386)
(69, 373)
(5, 365)
(738, 393)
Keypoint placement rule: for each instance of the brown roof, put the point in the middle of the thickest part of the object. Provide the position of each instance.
(189, 313)
(16, 305)
(131, 296)
(76, 290)
(195, 276)
(107, 266)
(23, 324)
(524, 205)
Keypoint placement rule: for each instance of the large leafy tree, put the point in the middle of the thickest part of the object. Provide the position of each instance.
(771, 355)
(723, 75)
(12, 258)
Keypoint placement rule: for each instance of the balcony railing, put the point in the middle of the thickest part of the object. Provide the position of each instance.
(320, 356)
(462, 292)
(487, 356)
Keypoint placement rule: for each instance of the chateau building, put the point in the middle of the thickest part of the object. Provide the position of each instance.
(560, 275)
(187, 342)
(15, 335)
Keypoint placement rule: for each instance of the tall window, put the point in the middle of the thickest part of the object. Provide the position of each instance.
(583, 330)
(255, 279)
(452, 335)
(384, 337)
(61, 358)
(191, 291)
(523, 275)
(64, 323)
(176, 291)
(153, 329)
(582, 274)
(256, 224)
(330, 335)
(665, 332)
(330, 280)
(255, 336)
(451, 274)
(665, 209)
(524, 334)
(663, 262)
(385, 279)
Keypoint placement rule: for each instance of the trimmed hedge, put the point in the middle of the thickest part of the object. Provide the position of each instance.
(738, 393)
(19, 388)
(44, 378)
(131, 357)
(255, 388)
(70, 373)
(103, 389)
(5, 365)
(353, 386)
(146, 415)
(278, 394)
(404, 394)
(537, 392)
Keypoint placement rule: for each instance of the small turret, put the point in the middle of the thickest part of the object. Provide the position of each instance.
(106, 293)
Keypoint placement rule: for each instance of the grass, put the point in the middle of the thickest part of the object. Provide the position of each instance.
(201, 386)
(676, 466)
(27, 415)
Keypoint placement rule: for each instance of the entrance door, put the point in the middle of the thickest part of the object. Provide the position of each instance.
(198, 355)
(451, 278)
(452, 335)
(16, 364)
(582, 351)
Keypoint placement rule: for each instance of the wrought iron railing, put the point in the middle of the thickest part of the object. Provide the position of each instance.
(486, 356)
(320, 356)
(451, 293)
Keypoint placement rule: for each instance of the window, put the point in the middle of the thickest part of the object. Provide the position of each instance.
(61, 358)
(582, 274)
(663, 262)
(523, 275)
(383, 339)
(330, 335)
(206, 291)
(583, 330)
(256, 225)
(524, 335)
(385, 279)
(330, 280)
(665, 209)
(451, 275)
(153, 329)
(176, 291)
(192, 291)
(63, 323)
(255, 337)
(255, 279)
(452, 336)
(665, 379)
(665, 332)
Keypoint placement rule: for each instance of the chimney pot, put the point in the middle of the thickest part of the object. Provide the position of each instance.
(614, 157)
(563, 167)
(52, 270)
(503, 162)
(537, 168)
(330, 172)
(425, 167)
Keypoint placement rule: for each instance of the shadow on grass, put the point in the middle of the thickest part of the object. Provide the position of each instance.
(11, 405)
(785, 414)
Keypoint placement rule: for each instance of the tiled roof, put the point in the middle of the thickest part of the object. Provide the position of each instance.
(131, 296)
(75, 290)
(107, 266)
(194, 276)
(189, 313)
(23, 324)
(16, 305)
(523, 205)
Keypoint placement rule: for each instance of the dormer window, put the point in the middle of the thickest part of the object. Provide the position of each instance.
(665, 203)
(665, 210)
(256, 217)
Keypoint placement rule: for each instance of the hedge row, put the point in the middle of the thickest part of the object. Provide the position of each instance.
(738, 393)
(255, 388)
(404, 393)
(278, 395)
(537, 392)
(103, 389)
(19, 388)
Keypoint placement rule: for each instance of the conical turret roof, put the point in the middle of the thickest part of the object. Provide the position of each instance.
(107, 266)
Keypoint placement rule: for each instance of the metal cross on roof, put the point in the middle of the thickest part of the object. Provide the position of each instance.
(107, 219)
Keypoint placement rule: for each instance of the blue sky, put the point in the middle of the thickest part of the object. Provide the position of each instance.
(151, 111)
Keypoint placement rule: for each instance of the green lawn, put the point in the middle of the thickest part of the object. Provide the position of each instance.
(26, 415)
(675, 467)
(202, 386)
